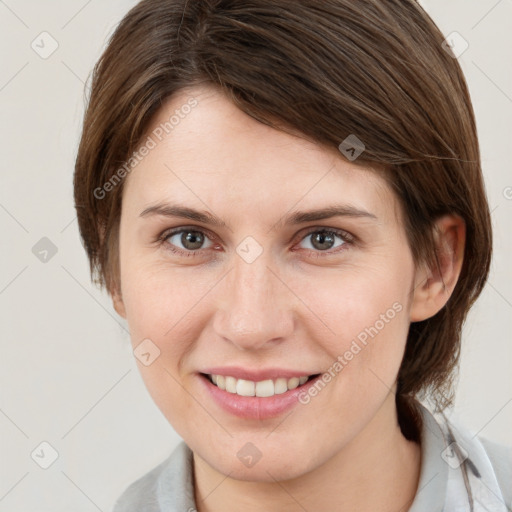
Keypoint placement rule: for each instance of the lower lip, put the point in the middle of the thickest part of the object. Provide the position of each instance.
(255, 407)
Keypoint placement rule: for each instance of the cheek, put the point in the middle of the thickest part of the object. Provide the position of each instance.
(159, 300)
(162, 307)
(360, 316)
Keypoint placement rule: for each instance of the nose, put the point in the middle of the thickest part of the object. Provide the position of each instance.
(255, 306)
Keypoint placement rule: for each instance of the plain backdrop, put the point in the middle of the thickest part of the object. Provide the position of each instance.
(68, 377)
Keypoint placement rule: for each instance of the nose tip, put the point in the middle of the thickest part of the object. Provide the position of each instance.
(245, 334)
(254, 308)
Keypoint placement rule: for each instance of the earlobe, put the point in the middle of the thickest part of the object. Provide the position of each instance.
(117, 301)
(119, 305)
(434, 286)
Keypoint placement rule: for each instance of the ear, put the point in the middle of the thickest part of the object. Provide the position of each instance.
(434, 286)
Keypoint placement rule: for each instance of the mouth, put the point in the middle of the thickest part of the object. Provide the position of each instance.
(272, 392)
(262, 389)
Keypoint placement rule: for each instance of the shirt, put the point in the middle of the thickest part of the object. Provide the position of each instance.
(460, 472)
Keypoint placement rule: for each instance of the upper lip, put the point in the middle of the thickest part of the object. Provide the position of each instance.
(256, 375)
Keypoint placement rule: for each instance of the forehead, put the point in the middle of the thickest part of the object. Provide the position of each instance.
(213, 153)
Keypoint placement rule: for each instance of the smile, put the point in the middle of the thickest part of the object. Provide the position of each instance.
(262, 388)
(256, 399)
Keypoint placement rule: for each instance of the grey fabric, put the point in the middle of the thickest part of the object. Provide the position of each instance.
(501, 458)
(169, 486)
(433, 471)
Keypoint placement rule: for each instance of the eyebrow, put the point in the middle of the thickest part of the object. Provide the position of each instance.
(298, 217)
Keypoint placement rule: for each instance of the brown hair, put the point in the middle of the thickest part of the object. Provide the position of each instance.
(328, 69)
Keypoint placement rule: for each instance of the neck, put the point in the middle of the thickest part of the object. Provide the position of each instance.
(377, 470)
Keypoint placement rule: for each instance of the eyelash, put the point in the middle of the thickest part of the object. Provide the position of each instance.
(347, 238)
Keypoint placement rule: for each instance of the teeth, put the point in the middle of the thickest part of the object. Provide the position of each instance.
(263, 388)
(280, 386)
(231, 384)
(293, 383)
(245, 387)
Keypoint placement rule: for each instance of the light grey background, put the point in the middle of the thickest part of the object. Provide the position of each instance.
(67, 373)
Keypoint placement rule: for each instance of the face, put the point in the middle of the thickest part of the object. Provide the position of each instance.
(263, 293)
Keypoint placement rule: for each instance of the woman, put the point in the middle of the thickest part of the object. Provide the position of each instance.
(285, 201)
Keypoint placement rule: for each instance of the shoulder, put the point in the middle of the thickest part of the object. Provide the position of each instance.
(166, 487)
(141, 495)
(488, 464)
(458, 464)
(500, 456)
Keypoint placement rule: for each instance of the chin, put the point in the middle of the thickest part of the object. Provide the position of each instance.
(264, 471)
(242, 460)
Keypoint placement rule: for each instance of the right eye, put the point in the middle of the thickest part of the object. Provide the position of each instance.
(191, 240)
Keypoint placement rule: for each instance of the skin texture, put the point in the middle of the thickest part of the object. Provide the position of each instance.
(295, 307)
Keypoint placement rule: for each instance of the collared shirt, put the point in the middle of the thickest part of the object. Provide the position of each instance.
(460, 472)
